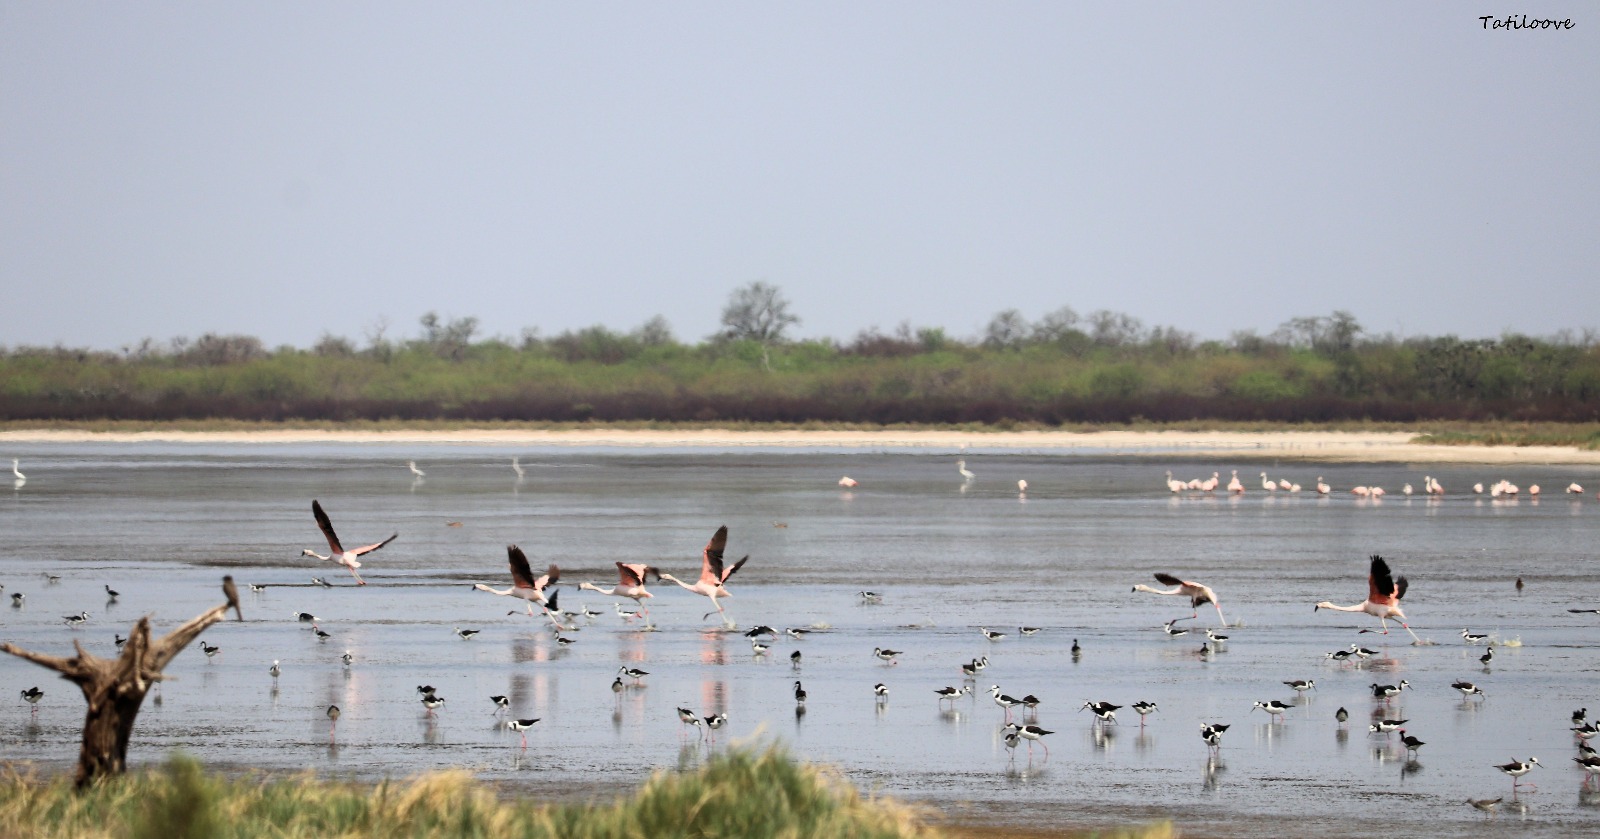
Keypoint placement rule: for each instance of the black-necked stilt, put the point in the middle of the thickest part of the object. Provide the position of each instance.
(1273, 707)
(799, 692)
(1105, 711)
(633, 673)
(1173, 631)
(952, 693)
(425, 690)
(1030, 705)
(466, 634)
(1205, 652)
(209, 649)
(1212, 734)
(1216, 637)
(1341, 715)
(761, 630)
(1362, 652)
(257, 588)
(564, 640)
(870, 596)
(1340, 655)
(1384, 692)
(1005, 702)
(970, 669)
(1386, 726)
(885, 655)
(321, 636)
(798, 633)
(1487, 805)
(715, 722)
(688, 717)
(274, 671)
(1468, 689)
(1384, 592)
(1011, 739)
(880, 692)
(1516, 769)
(1033, 733)
(1587, 731)
(1196, 592)
(1143, 709)
(1302, 685)
(32, 696)
(521, 727)
(992, 636)
(347, 658)
(1028, 630)
(75, 620)
(588, 613)
(794, 659)
(432, 701)
(1488, 656)
(318, 581)
(305, 617)
(118, 640)
(1579, 716)
(758, 649)
(617, 687)
(16, 599)
(336, 552)
(333, 718)
(112, 595)
(1471, 638)
(1077, 651)
(980, 663)
(1411, 743)
(52, 579)
(628, 615)
(1590, 765)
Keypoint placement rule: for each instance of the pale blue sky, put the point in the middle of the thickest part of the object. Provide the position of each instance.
(289, 169)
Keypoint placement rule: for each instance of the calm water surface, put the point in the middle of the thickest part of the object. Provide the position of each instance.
(161, 524)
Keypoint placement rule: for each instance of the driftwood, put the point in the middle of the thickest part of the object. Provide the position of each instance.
(116, 687)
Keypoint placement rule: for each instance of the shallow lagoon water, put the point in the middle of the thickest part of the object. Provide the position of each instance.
(162, 523)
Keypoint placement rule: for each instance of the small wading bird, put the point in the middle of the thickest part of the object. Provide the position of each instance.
(1175, 631)
(633, 673)
(337, 552)
(1144, 709)
(1196, 593)
(880, 693)
(1487, 805)
(1105, 711)
(1385, 691)
(1032, 733)
(274, 671)
(1516, 769)
(412, 465)
(32, 696)
(466, 634)
(1274, 708)
(1468, 689)
(523, 584)
(712, 574)
(333, 720)
(1212, 734)
(966, 476)
(888, 655)
(521, 727)
(113, 595)
(1384, 593)
(431, 701)
(1472, 638)
(631, 580)
(952, 694)
(688, 717)
(1412, 744)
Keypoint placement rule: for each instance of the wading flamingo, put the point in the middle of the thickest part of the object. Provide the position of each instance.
(1196, 593)
(337, 552)
(630, 584)
(1234, 485)
(1384, 593)
(712, 574)
(524, 584)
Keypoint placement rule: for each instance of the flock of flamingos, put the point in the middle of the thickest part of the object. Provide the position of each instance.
(1430, 486)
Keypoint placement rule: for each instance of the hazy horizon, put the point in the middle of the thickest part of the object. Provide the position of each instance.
(292, 170)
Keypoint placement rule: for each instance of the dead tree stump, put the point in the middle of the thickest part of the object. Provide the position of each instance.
(115, 688)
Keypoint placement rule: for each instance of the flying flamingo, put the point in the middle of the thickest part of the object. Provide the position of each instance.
(630, 584)
(1383, 598)
(712, 574)
(1196, 593)
(523, 583)
(338, 553)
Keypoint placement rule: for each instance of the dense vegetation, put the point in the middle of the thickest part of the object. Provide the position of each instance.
(741, 793)
(1063, 368)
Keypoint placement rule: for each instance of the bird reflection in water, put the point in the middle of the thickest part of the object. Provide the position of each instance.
(1214, 769)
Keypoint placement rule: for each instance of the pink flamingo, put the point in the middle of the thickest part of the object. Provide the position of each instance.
(1234, 485)
(630, 584)
(712, 574)
(1383, 598)
(523, 583)
(337, 552)
(1196, 593)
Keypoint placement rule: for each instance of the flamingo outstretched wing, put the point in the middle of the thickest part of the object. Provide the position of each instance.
(327, 527)
(1380, 583)
(711, 559)
(1169, 580)
(636, 575)
(366, 549)
(522, 572)
(736, 566)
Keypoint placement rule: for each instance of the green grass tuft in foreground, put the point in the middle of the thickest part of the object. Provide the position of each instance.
(743, 793)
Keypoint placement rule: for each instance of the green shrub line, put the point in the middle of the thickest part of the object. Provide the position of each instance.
(744, 792)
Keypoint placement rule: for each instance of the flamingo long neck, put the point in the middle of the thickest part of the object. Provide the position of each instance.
(1142, 587)
(309, 552)
(694, 588)
(1359, 607)
(492, 590)
(593, 587)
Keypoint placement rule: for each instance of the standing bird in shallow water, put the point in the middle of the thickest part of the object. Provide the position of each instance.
(712, 574)
(1516, 769)
(32, 696)
(1383, 598)
(337, 553)
(523, 584)
(1196, 593)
